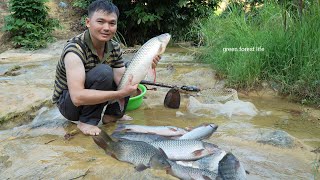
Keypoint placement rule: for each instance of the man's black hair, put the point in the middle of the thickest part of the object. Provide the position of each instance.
(102, 5)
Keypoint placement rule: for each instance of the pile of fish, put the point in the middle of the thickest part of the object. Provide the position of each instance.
(180, 152)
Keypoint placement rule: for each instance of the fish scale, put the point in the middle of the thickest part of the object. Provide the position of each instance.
(210, 162)
(138, 136)
(183, 172)
(159, 130)
(132, 152)
(230, 168)
(185, 149)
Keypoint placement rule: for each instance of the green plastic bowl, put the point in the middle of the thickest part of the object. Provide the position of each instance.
(136, 101)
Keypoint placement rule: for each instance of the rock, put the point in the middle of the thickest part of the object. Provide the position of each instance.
(277, 138)
(62, 4)
(26, 82)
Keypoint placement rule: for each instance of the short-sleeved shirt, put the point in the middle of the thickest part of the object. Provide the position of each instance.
(82, 46)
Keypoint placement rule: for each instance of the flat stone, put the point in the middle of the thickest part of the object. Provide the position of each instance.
(24, 93)
(277, 138)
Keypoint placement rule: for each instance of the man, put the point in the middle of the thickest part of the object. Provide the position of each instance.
(89, 70)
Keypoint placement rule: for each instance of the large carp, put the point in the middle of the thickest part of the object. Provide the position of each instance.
(185, 149)
(142, 61)
(141, 154)
(159, 130)
(210, 162)
(201, 132)
(190, 173)
(229, 168)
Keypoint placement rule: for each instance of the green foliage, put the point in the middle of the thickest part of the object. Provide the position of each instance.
(142, 19)
(82, 4)
(289, 58)
(29, 23)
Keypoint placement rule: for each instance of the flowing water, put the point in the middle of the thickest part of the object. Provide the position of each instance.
(39, 150)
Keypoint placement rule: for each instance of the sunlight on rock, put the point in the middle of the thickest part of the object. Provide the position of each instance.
(230, 108)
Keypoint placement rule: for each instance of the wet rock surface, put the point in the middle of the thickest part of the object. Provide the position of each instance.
(39, 149)
(277, 138)
(26, 81)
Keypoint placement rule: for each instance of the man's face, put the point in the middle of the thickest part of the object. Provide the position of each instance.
(102, 25)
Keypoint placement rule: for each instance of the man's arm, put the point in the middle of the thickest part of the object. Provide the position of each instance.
(117, 74)
(75, 72)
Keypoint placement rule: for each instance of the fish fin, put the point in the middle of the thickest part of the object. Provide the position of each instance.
(105, 136)
(206, 177)
(188, 128)
(163, 153)
(197, 152)
(113, 155)
(196, 177)
(169, 171)
(121, 103)
(100, 142)
(151, 74)
(117, 134)
(173, 129)
(141, 167)
(121, 128)
(122, 139)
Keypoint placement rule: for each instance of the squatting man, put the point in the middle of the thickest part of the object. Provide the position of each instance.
(89, 71)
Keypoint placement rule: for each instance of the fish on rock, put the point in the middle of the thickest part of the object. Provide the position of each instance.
(132, 136)
(230, 168)
(201, 132)
(210, 162)
(185, 149)
(159, 130)
(141, 62)
(140, 154)
(190, 173)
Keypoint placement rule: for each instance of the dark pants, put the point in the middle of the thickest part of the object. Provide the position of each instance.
(99, 78)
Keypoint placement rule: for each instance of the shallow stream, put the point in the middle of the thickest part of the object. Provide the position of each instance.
(38, 149)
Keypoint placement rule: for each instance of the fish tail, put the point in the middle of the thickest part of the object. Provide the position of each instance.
(103, 140)
(151, 74)
(155, 75)
(121, 103)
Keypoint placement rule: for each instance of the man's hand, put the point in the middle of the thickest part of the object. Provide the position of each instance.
(156, 59)
(129, 88)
